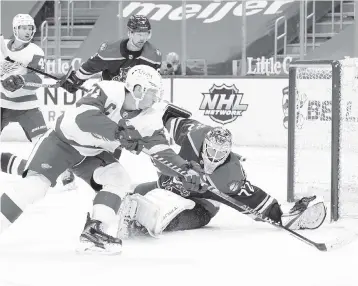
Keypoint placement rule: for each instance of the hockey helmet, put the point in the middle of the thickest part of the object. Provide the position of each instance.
(23, 20)
(138, 23)
(216, 148)
(148, 78)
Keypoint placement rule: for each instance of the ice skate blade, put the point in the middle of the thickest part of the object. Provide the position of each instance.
(91, 248)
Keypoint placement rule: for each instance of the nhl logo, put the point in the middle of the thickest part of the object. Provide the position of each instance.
(223, 103)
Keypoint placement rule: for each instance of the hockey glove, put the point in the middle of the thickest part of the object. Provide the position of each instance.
(13, 82)
(72, 82)
(191, 181)
(173, 111)
(129, 137)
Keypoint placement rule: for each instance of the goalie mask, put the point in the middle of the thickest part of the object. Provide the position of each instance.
(23, 20)
(145, 85)
(216, 148)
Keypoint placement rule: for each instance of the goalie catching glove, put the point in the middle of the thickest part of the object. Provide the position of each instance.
(13, 83)
(307, 213)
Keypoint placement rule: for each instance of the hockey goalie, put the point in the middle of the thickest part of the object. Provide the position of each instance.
(165, 205)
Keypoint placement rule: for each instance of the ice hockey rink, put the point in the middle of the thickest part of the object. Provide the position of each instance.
(39, 250)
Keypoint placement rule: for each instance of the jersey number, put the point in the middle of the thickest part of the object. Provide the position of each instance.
(41, 63)
(94, 92)
(195, 126)
(247, 190)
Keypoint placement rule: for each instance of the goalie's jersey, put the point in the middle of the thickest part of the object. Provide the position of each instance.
(30, 55)
(229, 177)
(114, 60)
(91, 127)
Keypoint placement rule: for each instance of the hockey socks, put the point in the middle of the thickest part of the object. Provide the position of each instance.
(19, 195)
(12, 164)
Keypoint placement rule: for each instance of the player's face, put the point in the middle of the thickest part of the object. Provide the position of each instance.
(139, 38)
(216, 155)
(25, 32)
(148, 96)
(172, 66)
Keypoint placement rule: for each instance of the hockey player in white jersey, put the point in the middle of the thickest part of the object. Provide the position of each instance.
(19, 103)
(110, 117)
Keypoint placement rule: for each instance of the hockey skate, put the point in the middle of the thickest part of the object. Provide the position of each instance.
(94, 240)
(307, 213)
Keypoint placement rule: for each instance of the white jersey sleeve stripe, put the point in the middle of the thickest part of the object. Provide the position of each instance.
(24, 98)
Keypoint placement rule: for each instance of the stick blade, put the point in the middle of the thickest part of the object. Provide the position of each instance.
(321, 246)
(341, 241)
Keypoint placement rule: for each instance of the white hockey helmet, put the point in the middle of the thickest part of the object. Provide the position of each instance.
(23, 20)
(148, 78)
(216, 148)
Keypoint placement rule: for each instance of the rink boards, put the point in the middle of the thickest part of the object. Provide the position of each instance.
(254, 109)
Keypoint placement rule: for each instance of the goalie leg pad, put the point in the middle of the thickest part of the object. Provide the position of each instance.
(140, 209)
(158, 208)
(195, 218)
(199, 216)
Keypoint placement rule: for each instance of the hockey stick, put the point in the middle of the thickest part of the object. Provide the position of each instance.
(59, 82)
(235, 204)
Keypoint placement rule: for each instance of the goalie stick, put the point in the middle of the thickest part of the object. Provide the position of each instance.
(235, 204)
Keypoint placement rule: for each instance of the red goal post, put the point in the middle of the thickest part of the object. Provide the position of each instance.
(323, 133)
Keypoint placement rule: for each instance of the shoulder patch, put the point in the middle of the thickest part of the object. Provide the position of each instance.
(158, 52)
(110, 50)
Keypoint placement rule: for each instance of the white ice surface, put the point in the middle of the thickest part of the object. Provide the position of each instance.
(39, 249)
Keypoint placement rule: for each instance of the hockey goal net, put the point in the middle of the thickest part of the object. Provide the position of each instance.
(323, 133)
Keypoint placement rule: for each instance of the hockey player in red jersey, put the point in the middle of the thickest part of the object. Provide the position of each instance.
(176, 208)
(19, 103)
(109, 118)
(116, 58)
